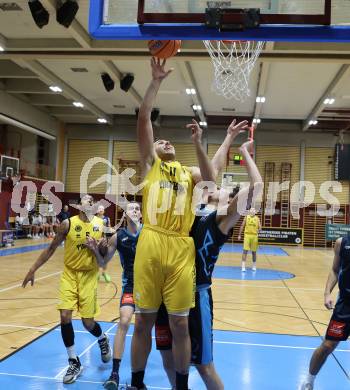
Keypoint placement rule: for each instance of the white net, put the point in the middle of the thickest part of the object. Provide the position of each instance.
(233, 62)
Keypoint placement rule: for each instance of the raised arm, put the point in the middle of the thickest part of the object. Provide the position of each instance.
(226, 222)
(333, 276)
(47, 253)
(220, 157)
(205, 166)
(145, 137)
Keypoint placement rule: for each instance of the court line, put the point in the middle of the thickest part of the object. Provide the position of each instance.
(36, 279)
(85, 350)
(266, 286)
(78, 380)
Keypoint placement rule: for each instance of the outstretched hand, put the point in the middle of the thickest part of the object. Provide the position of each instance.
(234, 129)
(28, 278)
(158, 69)
(197, 132)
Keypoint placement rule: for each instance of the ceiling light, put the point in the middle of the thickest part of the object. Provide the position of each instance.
(197, 107)
(329, 101)
(313, 122)
(2, 49)
(78, 104)
(204, 124)
(190, 91)
(260, 99)
(102, 120)
(256, 120)
(55, 88)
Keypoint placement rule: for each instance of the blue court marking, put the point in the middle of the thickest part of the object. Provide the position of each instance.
(23, 249)
(262, 250)
(254, 361)
(292, 33)
(235, 273)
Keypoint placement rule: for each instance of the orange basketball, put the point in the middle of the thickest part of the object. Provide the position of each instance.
(164, 49)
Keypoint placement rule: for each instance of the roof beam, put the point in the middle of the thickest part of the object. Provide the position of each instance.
(49, 100)
(50, 78)
(10, 70)
(26, 86)
(69, 111)
(105, 55)
(317, 109)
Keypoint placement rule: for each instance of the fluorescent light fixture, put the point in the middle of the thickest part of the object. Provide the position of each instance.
(260, 99)
(78, 104)
(190, 91)
(256, 120)
(197, 107)
(329, 101)
(313, 122)
(102, 120)
(2, 48)
(55, 88)
(204, 124)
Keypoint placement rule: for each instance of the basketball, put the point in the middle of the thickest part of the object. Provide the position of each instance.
(164, 49)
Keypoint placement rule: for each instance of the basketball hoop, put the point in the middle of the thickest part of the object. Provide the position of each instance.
(233, 62)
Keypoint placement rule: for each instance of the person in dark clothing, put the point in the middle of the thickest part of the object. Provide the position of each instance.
(339, 324)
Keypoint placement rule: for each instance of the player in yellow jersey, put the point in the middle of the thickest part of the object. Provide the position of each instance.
(251, 226)
(78, 286)
(164, 263)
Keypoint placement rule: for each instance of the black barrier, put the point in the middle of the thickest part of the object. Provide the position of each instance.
(281, 236)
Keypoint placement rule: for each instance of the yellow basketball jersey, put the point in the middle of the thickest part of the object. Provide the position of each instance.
(251, 225)
(167, 197)
(76, 255)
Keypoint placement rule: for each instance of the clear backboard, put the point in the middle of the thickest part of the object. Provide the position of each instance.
(303, 20)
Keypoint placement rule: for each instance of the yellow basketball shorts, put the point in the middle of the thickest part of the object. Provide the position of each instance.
(78, 291)
(250, 242)
(164, 271)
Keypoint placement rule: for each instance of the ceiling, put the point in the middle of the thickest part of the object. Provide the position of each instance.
(295, 78)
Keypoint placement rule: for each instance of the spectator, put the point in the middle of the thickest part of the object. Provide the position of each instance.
(37, 225)
(24, 224)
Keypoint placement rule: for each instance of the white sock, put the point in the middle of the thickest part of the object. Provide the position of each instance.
(71, 352)
(103, 336)
(310, 378)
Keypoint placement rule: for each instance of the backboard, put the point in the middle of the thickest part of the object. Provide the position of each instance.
(279, 20)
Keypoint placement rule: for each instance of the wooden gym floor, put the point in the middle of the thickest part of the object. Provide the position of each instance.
(243, 303)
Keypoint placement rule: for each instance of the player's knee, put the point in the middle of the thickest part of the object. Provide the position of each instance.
(88, 323)
(124, 323)
(205, 370)
(179, 326)
(143, 324)
(66, 317)
(328, 346)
